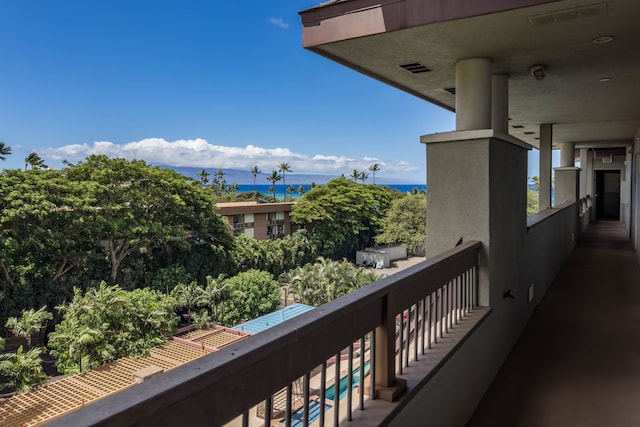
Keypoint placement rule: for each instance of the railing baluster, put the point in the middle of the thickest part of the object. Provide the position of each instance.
(442, 312)
(430, 322)
(305, 402)
(408, 338)
(268, 410)
(323, 392)
(401, 342)
(450, 285)
(362, 373)
(372, 366)
(287, 415)
(350, 382)
(456, 305)
(416, 329)
(474, 300)
(336, 392)
(423, 321)
(245, 419)
(445, 311)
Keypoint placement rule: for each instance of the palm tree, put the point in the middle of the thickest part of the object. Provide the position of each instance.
(374, 168)
(219, 183)
(4, 151)
(291, 189)
(34, 160)
(30, 323)
(23, 368)
(355, 176)
(255, 171)
(188, 296)
(363, 176)
(204, 177)
(284, 167)
(273, 178)
(214, 294)
(301, 190)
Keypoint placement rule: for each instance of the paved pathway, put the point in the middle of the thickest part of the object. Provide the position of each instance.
(578, 361)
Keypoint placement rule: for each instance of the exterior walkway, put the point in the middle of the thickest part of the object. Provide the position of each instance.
(578, 361)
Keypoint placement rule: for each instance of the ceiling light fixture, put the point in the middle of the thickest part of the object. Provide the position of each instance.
(605, 79)
(603, 39)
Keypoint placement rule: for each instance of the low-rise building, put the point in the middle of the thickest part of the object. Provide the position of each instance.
(259, 220)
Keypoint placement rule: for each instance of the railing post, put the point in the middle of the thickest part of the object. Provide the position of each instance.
(388, 386)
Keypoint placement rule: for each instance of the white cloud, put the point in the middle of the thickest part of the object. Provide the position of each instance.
(201, 154)
(278, 22)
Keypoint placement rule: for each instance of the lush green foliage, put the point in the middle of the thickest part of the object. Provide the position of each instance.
(30, 322)
(344, 216)
(405, 224)
(252, 294)
(532, 202)
(275, 256)
(107, 322)
(325, 280)
(103, 219)
(23, 369)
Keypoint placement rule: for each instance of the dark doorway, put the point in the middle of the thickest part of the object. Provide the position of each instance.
(608, 194)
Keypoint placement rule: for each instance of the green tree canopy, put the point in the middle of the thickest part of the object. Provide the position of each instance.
(252, 294)
(318, 283)
(343, 216)
(139, 207)
(107, 322)
(405, 224)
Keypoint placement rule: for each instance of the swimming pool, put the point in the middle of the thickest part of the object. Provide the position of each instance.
(331, 394)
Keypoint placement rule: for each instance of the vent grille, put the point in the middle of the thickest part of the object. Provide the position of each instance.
(528, 133)
(517, 127)
(568, 14)
(451, 90)
(415, 68)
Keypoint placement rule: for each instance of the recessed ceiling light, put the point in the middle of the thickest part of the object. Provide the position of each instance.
(605, 79)
(603, 39)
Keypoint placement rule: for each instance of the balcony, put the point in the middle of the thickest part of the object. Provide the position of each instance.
(425, 346)
(399, 330)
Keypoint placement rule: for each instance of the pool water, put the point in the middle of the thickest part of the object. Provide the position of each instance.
(344, 388)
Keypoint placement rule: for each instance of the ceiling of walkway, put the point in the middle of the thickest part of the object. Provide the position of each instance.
(591, 92)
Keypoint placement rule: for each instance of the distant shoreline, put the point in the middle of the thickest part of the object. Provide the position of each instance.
(264, 189)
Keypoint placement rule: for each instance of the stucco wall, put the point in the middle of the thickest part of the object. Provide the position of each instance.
(515, 257)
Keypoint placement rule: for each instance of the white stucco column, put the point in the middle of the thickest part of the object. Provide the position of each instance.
(473, 94)
(567, 184)
(546, 138)
(500, 103)
(567, 155)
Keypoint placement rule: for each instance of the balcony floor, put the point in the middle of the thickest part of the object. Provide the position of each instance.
(578, 361)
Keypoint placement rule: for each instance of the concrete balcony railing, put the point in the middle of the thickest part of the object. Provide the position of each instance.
(343, 362)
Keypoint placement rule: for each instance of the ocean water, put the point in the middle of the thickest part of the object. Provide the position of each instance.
(247, 188)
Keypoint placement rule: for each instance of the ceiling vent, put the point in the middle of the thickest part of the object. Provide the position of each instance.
(529, 133)
(517, 127)
(451, 90)
(568, 14)
(415, 68)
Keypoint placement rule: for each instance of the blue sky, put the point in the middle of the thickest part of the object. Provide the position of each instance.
(196, 83)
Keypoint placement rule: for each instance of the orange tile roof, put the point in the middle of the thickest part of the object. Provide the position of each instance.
(70, 393)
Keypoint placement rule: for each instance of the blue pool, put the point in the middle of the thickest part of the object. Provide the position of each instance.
(314, 405)
(331, 394)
